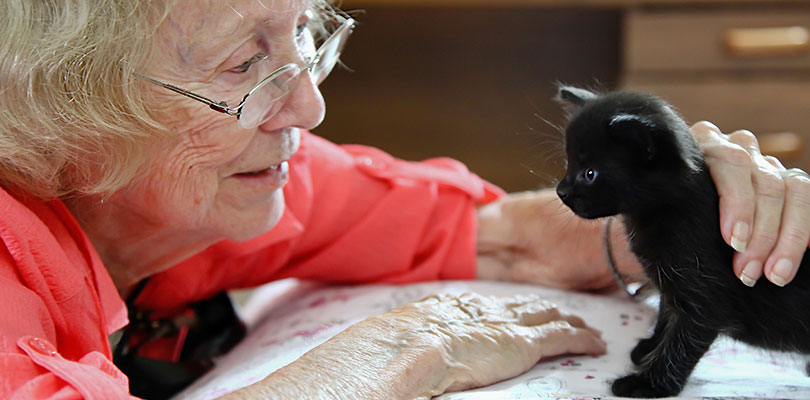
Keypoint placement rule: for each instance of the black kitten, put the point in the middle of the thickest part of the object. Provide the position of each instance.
(631, 154)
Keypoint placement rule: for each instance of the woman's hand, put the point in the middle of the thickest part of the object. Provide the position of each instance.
(483, 340)
(439, 344)
(533, 237)
(764, 208)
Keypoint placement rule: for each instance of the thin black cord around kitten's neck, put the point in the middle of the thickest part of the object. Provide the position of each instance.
(632, 292)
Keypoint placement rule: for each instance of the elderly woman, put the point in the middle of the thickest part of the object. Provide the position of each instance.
(154, 154)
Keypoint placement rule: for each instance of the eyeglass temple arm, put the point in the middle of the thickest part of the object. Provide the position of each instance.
(216, 106)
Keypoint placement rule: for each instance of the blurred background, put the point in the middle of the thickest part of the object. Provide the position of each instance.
(475, 79)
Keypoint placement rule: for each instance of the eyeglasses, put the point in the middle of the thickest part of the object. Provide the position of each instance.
(262, 102)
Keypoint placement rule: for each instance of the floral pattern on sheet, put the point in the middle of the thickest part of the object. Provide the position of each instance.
(289, 317)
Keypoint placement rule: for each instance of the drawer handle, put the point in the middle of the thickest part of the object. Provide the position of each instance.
(764, 42)
(782, 145)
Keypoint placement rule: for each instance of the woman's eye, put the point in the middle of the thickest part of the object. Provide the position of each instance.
(589, 174)
(245, 66)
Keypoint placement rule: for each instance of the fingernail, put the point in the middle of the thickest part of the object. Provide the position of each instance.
(750, 273)
(781, 271)
(739, 236)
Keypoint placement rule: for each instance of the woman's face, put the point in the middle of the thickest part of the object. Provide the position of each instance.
(220, 180)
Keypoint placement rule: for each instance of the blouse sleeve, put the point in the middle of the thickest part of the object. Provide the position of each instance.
(375, 218)
(31, 364)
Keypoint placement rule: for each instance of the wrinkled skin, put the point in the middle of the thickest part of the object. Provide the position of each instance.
(440, 344)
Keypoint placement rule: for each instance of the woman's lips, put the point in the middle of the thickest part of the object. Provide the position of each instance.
(261, 171)
(274, 176)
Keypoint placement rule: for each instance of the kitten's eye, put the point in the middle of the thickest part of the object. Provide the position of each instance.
(301, 29)
(245, 66)
(589, 174)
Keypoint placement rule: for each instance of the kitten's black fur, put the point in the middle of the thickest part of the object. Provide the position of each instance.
(631, 154)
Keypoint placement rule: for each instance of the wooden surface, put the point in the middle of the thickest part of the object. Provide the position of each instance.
(349, 4)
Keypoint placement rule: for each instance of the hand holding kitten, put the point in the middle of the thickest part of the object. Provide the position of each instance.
(764, 212)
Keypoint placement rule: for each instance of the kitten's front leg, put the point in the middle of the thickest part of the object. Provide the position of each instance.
(646, 346)
(665, 370)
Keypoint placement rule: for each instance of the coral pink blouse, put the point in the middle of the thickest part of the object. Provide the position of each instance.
(354, 214)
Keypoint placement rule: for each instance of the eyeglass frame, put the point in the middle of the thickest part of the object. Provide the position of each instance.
(345, 28)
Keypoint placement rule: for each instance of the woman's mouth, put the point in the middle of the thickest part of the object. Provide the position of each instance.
(274, 176)
(261, 171)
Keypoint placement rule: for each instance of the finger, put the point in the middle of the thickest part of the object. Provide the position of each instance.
(749, 267)
(770, 199)
(559, 337)
(775, 162)
(746, 140)
(705, 131)
(577, 322)
(537, 313)
(434, 298)
(730, 166)
(794, 235)
(525, 299)
(472, 297)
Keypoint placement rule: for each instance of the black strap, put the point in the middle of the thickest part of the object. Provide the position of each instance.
(213, 330)
(123, 343)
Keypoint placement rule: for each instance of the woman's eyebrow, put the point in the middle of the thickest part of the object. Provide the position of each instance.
(210, 41)
(207, 43)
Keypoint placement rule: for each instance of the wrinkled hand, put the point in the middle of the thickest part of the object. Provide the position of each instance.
(483, 340)
(764, 208)
(532, 237)
(423, 349)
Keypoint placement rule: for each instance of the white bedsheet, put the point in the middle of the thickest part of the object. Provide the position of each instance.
(289, 317)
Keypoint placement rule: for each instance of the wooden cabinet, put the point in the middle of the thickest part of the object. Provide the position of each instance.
(746, 68)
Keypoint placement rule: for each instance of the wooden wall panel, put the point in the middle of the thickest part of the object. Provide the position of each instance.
(472, 84)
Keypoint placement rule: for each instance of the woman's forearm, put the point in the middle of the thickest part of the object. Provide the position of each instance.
(375, 359)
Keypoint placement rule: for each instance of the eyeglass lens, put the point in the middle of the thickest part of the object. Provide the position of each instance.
(265, 101)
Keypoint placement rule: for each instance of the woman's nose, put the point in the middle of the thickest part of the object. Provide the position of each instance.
(304, 106)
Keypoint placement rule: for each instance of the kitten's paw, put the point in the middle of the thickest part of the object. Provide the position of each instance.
(642, 349)
(636, 386)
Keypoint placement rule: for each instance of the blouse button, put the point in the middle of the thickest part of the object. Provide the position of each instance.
(41, 346)
(370, 163)
(365, 160)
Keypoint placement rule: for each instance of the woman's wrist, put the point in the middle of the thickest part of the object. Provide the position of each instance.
(494, 241)
(532, 237)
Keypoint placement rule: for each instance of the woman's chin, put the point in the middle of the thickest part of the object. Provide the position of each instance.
(260, 221)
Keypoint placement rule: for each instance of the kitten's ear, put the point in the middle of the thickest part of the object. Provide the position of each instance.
(635, 131)
(573, 98)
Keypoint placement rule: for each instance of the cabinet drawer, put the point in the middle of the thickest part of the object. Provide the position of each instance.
(769, 109)
(706, 39)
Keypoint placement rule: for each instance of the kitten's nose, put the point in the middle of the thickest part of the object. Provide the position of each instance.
(563, 190)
